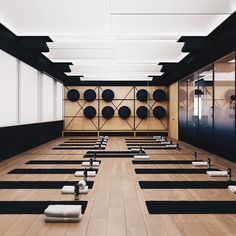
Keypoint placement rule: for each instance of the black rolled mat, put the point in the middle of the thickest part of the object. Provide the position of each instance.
(172, 171)
(185, 184)
(74, 148)
(39, 184)
(47, 171)
(141, 142)
(163, 161)
(191, 207)
(56, 162)
(34, 207)
(110, 156)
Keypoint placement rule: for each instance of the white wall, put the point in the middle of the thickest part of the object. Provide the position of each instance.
(27, 95)
(8, 90)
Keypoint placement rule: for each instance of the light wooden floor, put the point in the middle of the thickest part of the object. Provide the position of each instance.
(116, 204)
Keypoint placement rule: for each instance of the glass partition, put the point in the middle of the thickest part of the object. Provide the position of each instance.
(224, 117)
(207, 108)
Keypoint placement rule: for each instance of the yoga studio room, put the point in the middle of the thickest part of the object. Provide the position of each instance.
(117, 118)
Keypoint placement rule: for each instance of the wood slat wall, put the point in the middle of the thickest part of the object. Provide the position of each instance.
(124, 96)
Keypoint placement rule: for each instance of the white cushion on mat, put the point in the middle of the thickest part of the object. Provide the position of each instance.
(141, 157)
(87, 163)
(232, 188)
(214, 173)
(200, 163)
(71, 189)
(63, 211)
(81, 173)
(49, 219)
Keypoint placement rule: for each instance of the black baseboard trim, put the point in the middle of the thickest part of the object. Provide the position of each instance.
(152, 133)
(114, 133)
(71, 134)
(17, 139)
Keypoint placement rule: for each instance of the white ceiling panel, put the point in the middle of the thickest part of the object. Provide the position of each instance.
(173, 6)
(150, 50)
(35, 17)
(115, 68)
(166, 24)
(82, 53)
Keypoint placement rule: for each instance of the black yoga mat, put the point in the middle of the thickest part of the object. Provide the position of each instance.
(172, 171)
(137, 139)
(39, 184)
(165, 161)
(56, 162)
(191, 207)
(75, 148)
(34, 207)
(112, 152)
(143, 141)
(47, 171)
(110, 155)
(157, 147)
(147, 145)
(80, 141)
(94, 139)
(76, 145)
(185, 184)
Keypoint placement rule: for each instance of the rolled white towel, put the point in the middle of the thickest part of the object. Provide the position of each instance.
(81, 173)
(219, 173)
(167, 142)
(71, 190)
(49, 219)
(200, 163)
(82, 184)
(87, 163)
(135, 149)
(63, 211)
(171, 146)
(141, 157)
(232, 188)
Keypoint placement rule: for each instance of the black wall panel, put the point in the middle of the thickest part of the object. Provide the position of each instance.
(17, 139)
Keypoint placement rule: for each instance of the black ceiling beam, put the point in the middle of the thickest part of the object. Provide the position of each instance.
(31, 54)
(222, 42)
(62, 66)
(195, 43)
(168, 66)
(35, 43)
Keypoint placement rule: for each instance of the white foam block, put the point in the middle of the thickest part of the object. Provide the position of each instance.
(71, 190)
(141, 157)
(81, 173)
(87, 163)
(200, 163)
(49, 219)
(171, 146)
(165, 142)
(63, 211)
(219, 173)
(135, 149)
(232, 188)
